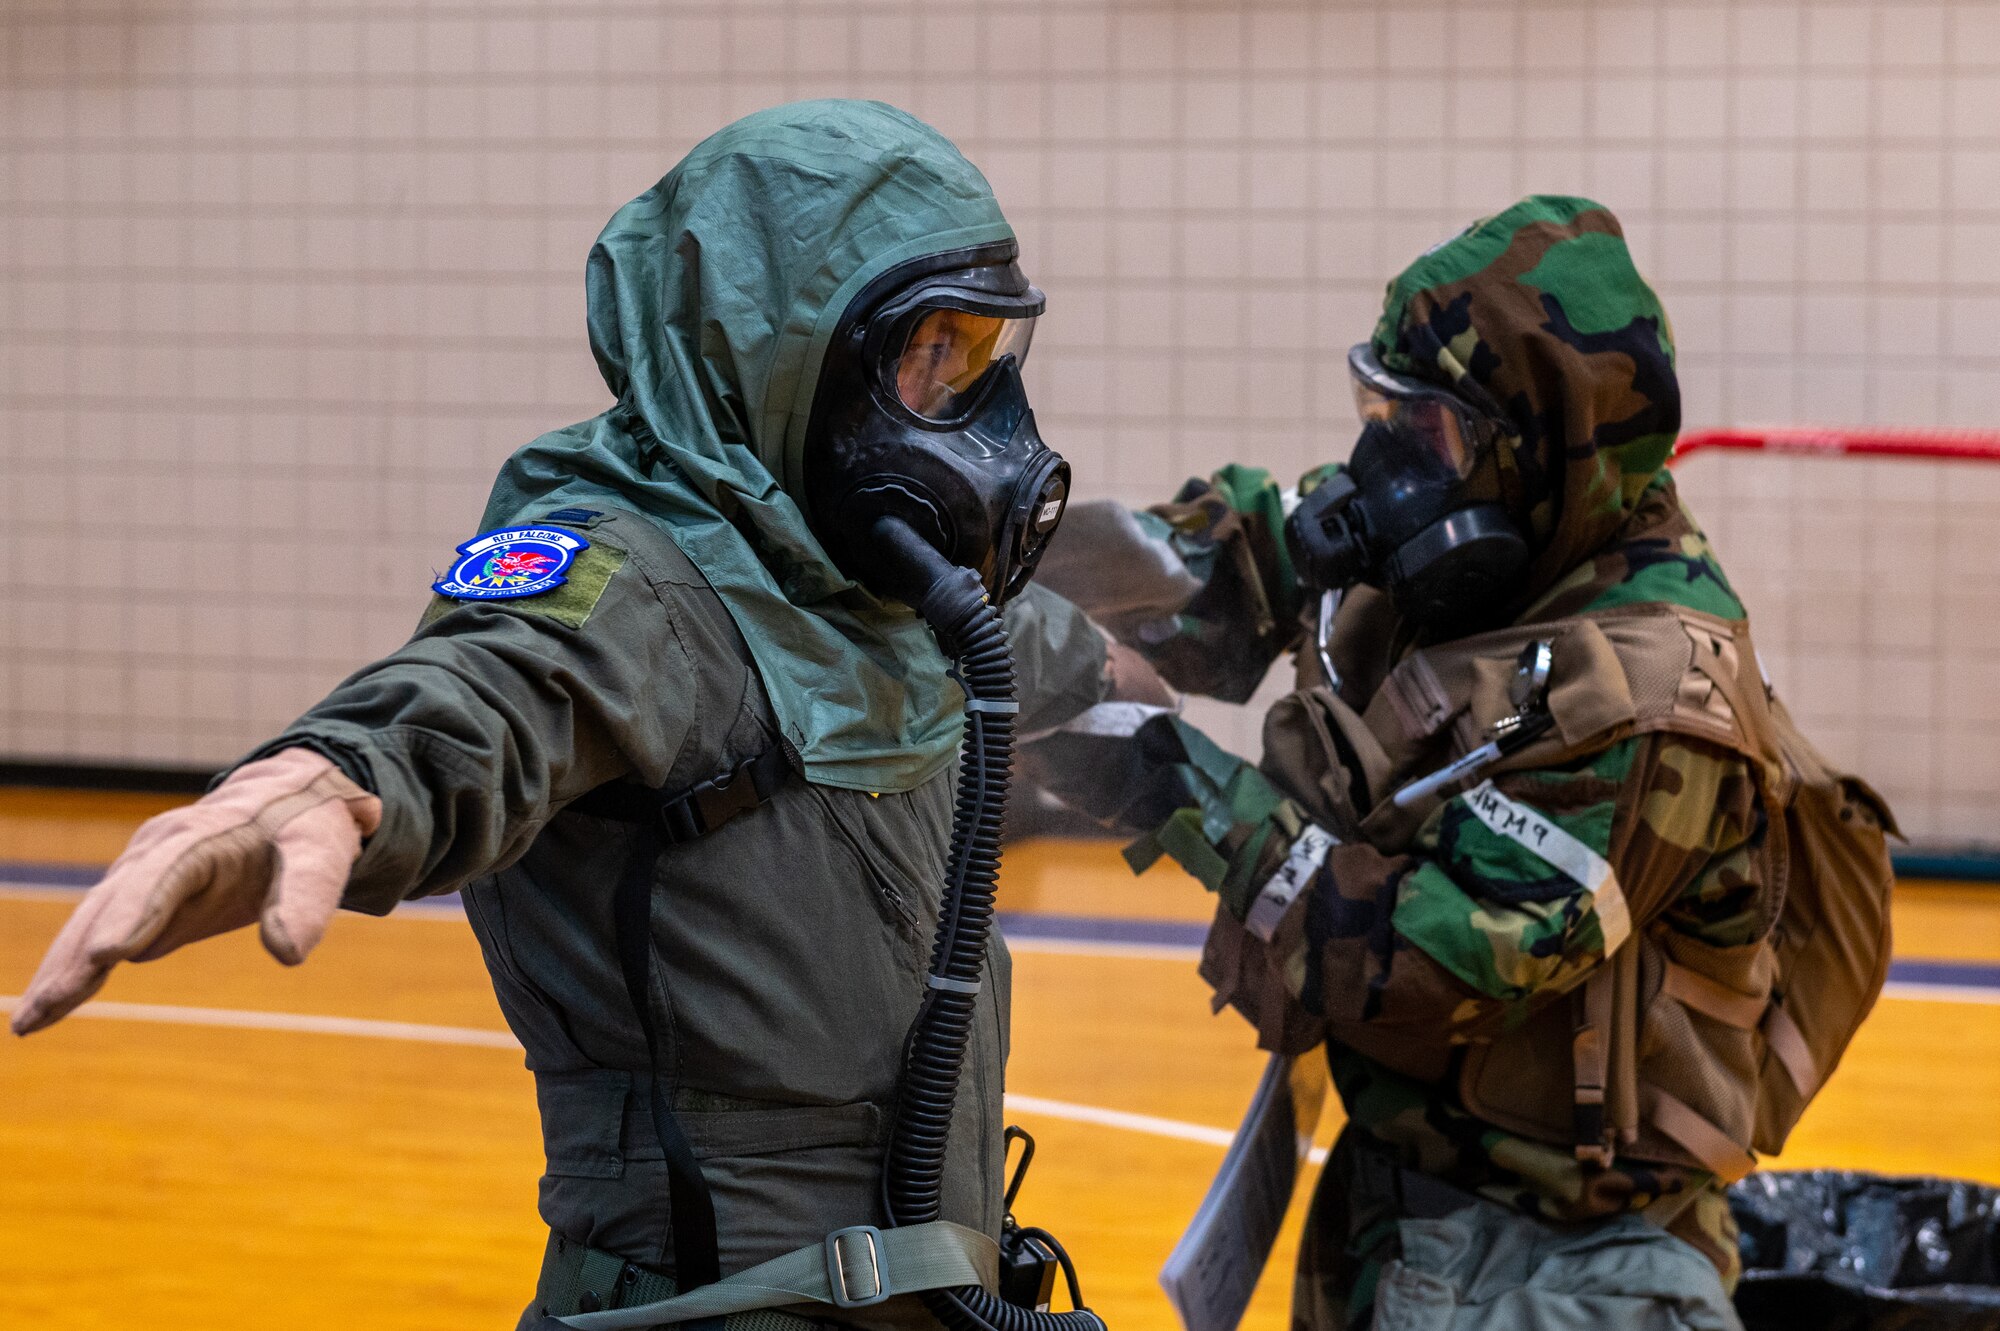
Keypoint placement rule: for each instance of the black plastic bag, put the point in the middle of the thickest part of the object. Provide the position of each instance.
(1839, 1251)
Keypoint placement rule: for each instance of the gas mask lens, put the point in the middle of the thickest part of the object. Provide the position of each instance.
(947, 355)
(1448, 427)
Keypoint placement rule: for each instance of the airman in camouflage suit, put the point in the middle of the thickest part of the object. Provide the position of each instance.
(1408, 956)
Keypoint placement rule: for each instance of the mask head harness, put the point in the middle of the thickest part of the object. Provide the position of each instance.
(921, 418)
(1401, 515)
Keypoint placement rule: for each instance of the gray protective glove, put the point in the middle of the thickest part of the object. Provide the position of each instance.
(271, 846)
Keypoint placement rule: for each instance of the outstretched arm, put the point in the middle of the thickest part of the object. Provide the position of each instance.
(1202, 586)
(498, 713)
(271, 846)
(447, 757)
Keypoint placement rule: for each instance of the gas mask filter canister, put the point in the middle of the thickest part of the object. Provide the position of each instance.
(1401, 517)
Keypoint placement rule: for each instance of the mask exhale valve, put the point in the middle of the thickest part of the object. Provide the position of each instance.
(1394, 519)
(953, 601)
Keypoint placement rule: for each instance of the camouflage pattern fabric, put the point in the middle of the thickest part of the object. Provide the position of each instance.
(1230, 532)
(1539, 316)
(1234, 826)
(1467, 932)
(1350, 1235)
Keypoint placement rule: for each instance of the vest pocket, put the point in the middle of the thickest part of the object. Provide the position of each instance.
(1681, 1041)
(1324, 757)
(1524, 1082)
(900, 899)
(594, 1120)
(1700, 1048)
(583, 1113)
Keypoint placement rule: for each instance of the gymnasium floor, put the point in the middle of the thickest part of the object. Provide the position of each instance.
(353, 1143)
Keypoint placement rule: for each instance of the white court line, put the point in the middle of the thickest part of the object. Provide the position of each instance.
(1129, 1122)
(425, 1033)
(368, 1028)
(310, 1023)
(1119, 1118)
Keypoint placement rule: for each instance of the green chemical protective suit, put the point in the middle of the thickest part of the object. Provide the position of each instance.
(700, 626)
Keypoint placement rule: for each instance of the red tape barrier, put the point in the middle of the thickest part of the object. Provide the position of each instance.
(1959, 445)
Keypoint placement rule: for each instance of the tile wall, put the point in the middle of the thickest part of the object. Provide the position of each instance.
(281, 282)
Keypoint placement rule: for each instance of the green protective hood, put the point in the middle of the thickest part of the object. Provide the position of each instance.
(712, 299)
(1539, 314)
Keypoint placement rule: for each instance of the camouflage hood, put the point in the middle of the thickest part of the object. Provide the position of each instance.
(1538, 316)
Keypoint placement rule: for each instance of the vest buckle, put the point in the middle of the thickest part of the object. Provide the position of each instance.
(854, 1274)
(714, 802)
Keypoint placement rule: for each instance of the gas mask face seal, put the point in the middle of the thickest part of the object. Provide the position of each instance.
(1402, 516)
(921, 417)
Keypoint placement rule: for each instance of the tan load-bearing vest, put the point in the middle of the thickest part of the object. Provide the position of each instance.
(1671, 1050)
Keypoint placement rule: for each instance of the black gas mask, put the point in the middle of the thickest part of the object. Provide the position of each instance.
(921, 427)
(1401, 517)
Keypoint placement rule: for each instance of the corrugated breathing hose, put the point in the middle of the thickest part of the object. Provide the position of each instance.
(971, 632)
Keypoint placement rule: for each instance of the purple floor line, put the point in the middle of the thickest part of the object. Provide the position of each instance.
(1063, 928)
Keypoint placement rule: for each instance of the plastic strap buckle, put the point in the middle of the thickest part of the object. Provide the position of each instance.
(681, 821)
(854, 1274)
(714, 802)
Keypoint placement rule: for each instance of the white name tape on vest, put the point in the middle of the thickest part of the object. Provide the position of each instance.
(1563, 852)
(1284, 886)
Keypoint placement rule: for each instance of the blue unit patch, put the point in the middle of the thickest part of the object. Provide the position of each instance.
(520, 561)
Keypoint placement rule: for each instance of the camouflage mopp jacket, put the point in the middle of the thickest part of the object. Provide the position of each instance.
(1417, 943)
(1420, 938)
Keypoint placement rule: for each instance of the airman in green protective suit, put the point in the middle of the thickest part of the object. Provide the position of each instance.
(1512, 854)
(651, 628)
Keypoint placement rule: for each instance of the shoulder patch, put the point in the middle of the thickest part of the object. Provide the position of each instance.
(516, 561)
(570, 604)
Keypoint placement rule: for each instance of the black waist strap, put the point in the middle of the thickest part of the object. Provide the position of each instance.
(665, 820)
(695, 812)
(690, 1209)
